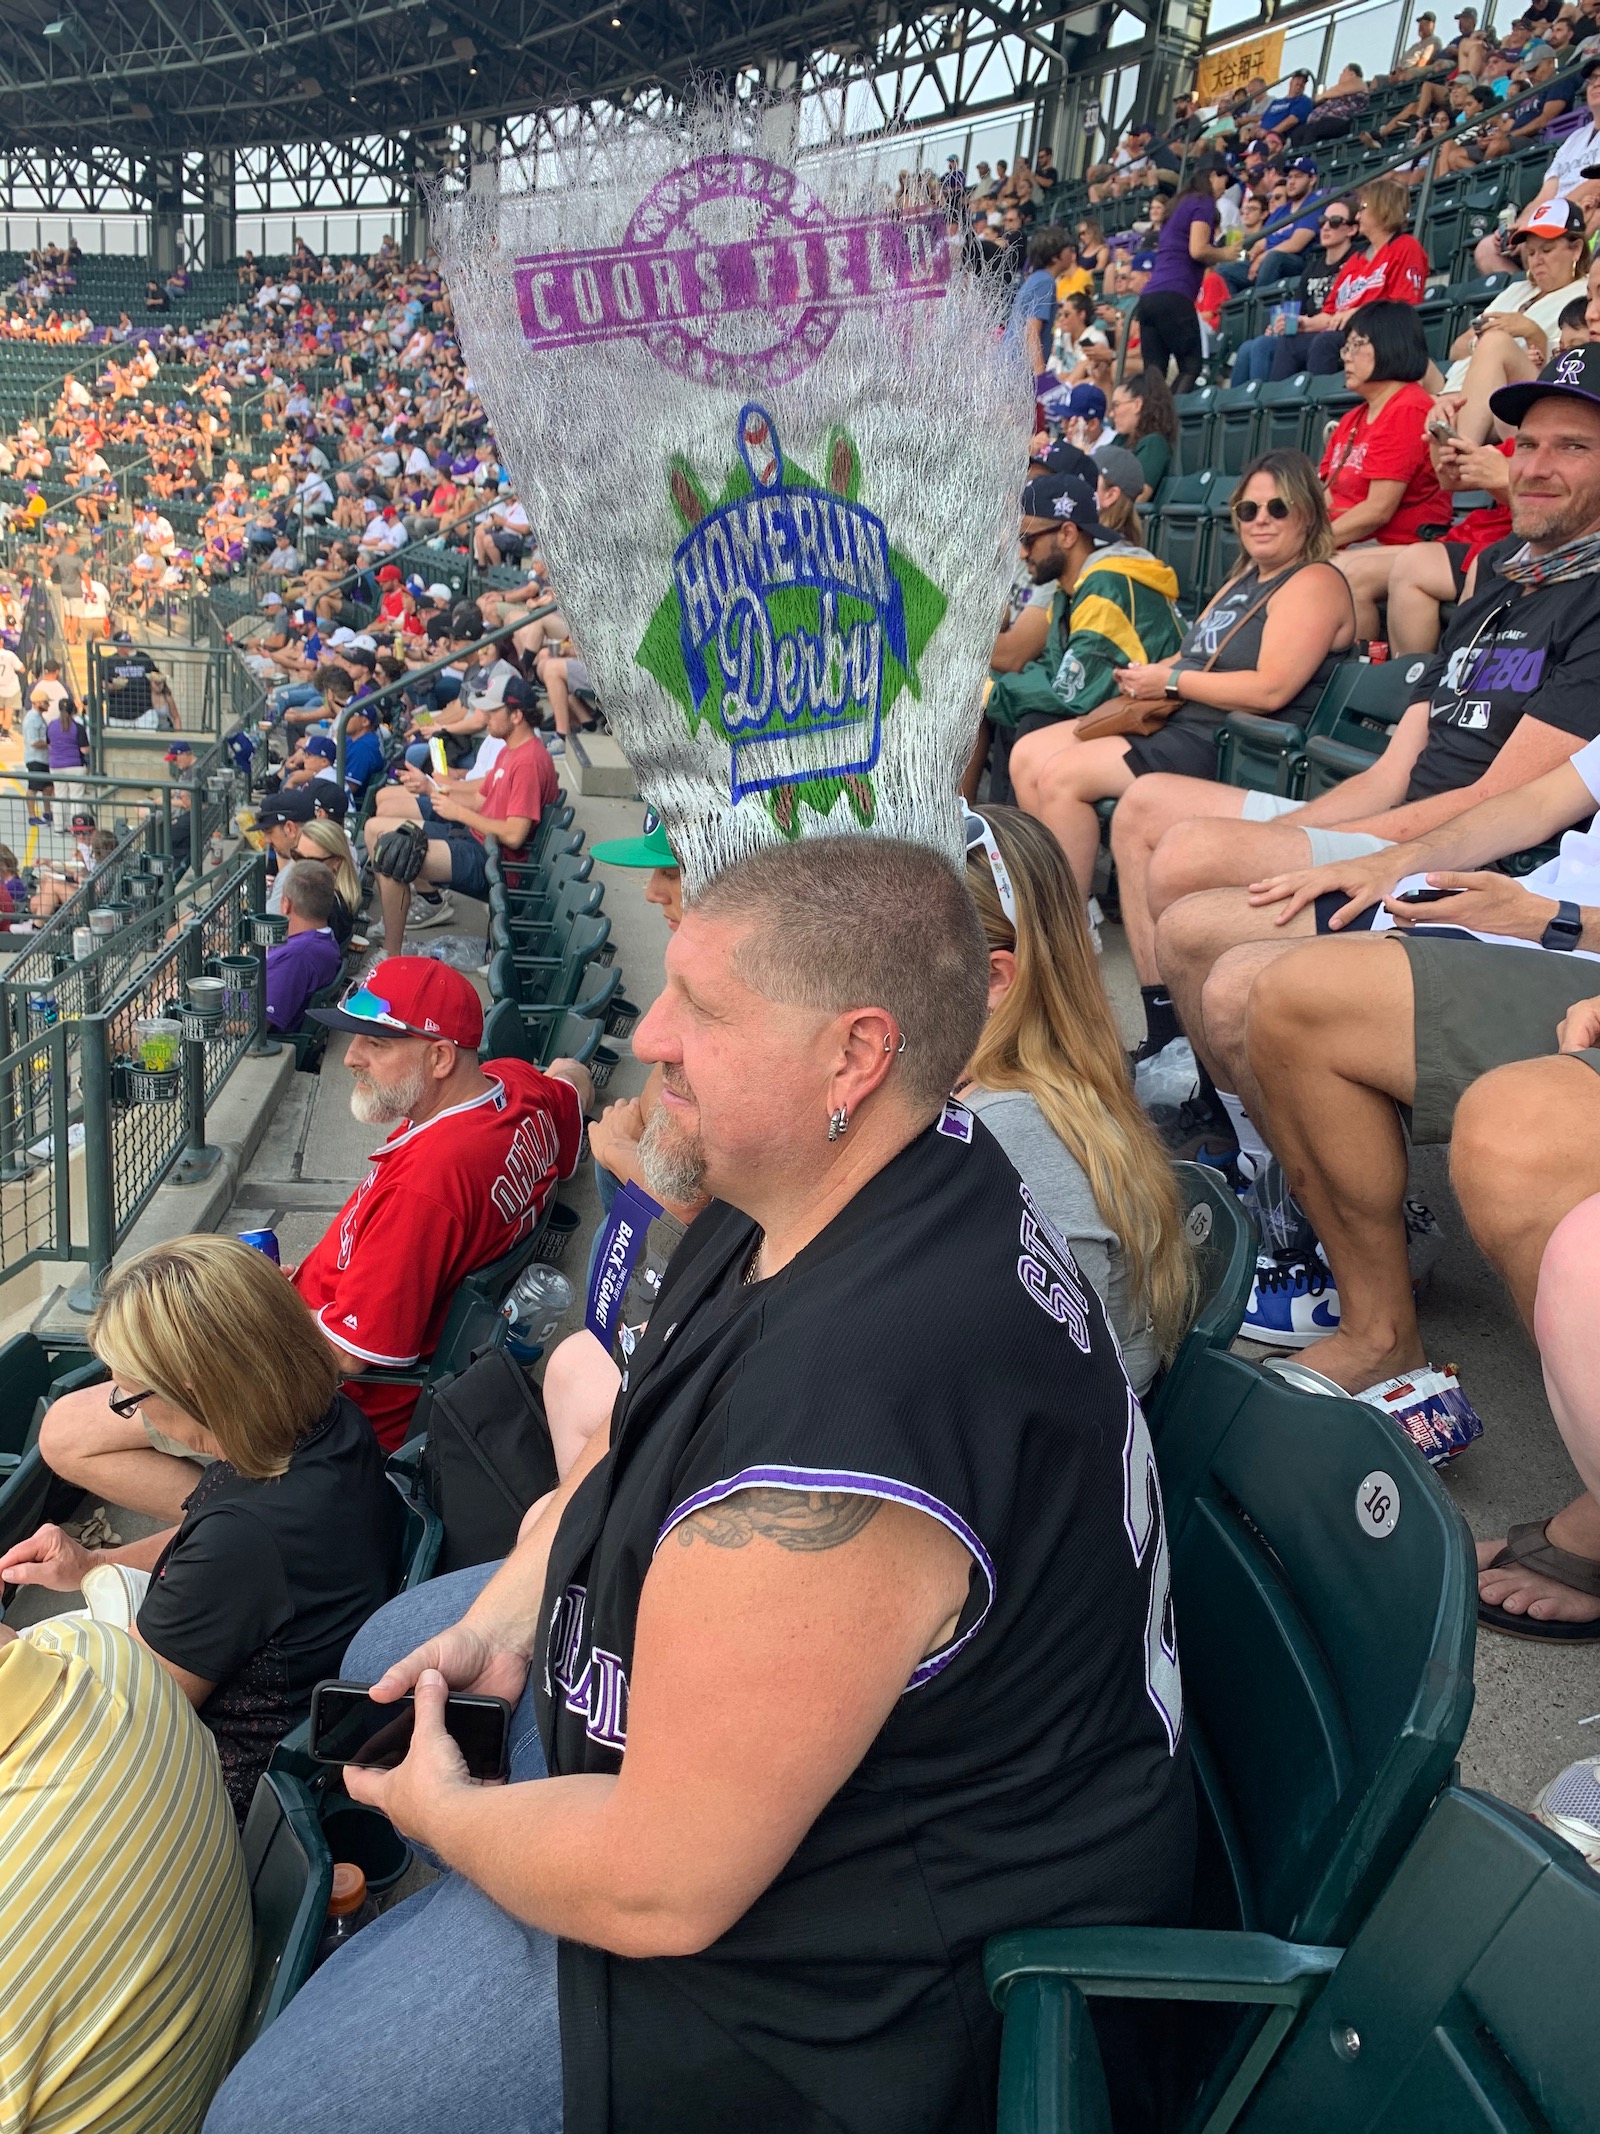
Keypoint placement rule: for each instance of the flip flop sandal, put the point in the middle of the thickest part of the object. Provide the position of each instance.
(1529, 1546)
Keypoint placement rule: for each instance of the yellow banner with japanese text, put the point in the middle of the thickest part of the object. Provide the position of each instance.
(1220, 73)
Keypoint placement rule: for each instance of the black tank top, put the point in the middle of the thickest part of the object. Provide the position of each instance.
(935, 1346)
(1204, 646)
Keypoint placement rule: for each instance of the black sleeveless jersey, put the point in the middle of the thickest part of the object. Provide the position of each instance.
(935, 1346)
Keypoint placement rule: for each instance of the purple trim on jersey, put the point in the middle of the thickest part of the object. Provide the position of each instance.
(843, 1482)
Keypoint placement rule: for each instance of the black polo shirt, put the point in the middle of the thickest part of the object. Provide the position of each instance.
(265, 1583)
(935, 1346)
(1510, 652)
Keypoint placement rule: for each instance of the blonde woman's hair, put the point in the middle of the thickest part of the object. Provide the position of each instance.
(212, 1326)
(1300, 486)
(1052, 1036)
(332, 843)
(1121, 515)
(1389, 202)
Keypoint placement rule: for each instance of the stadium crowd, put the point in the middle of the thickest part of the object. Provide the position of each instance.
(846, 1659)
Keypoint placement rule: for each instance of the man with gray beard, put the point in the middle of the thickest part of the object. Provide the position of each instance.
(475, 1157)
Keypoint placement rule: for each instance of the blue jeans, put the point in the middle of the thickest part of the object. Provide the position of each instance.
(1280, 267)
(441, 2016)
(1253, 364)
(294, 696)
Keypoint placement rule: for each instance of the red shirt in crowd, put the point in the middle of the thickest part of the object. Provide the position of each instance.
(1391, 448)
(440, 1201)
(522, 781)
(1398, 274)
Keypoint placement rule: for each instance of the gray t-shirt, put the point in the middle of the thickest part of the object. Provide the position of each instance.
(1056, 1179)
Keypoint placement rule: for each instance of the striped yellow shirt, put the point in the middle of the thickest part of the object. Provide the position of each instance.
(124, 1910)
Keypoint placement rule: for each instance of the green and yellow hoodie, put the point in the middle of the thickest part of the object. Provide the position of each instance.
(1119, 614)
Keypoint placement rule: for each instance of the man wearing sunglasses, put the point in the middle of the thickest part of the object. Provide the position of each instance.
(1337, 238)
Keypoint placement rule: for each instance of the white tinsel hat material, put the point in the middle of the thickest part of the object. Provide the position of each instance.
(771, 444)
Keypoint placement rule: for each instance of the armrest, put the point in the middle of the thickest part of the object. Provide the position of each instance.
(1266, 733)
(1161, 1964)
(1339, 756)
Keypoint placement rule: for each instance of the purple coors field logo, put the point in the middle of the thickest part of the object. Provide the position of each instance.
(733, 273)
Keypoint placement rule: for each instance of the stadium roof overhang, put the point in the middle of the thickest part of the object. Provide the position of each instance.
(164, 77)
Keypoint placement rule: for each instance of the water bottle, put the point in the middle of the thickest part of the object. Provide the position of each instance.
(536, 1307)
(349, 1910)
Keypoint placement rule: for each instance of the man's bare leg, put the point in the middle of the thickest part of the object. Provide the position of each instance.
(110, 1456)
(1212, 854)
(394, 804)
(1331, 1042)
(1525, 1163)
(1192, 937)
(1151, 807)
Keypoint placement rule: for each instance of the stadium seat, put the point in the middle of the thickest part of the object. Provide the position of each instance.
(1184, 533)
(1325, 1597)
(1436, 316)
(1465, 2002)
(552, 980)
(1355, 715)
(30, 1378)
(290, 1870)
(1237, 426)
(1285, 413)
(1195, 413)
(424, 1534)
(1224, 1243)
(1261, 755)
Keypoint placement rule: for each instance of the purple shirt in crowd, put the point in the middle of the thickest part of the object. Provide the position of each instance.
(1174, 272)
(296, 969)
(66, 745)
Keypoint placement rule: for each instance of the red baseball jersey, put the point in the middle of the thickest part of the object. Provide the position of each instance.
(441, 1200)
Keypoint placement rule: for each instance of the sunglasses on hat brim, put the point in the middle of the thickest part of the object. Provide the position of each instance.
(369, 1014)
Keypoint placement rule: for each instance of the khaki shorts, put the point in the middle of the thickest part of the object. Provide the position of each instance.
(163, 1443)
(1477, 1006)
(1326, 845)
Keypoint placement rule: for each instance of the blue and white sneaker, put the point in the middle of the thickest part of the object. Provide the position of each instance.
(1431, 1409)
(1294, 1302)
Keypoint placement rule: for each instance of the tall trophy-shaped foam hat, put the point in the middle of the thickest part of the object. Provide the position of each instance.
(771, 443)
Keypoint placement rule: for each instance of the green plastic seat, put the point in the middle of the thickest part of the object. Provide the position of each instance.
(424, 1529)
(1355, 715)
(290, 1870)
(1224, 1243)
(1195, 411)
(1236, 428)
(1185, 533)
(1325, 1600)
(1466, 2001)
(1285, 414)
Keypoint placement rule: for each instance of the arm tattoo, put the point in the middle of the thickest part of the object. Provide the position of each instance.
(796, 1519)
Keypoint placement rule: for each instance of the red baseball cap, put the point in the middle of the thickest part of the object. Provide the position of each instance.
(390, 574)
(410, 996)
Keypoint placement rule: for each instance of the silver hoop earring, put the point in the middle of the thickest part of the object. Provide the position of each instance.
(839, 1123)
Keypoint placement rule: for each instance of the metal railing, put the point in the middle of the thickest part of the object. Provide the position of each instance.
(76, 1081)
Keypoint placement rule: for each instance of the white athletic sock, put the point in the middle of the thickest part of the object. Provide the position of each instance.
(1250, 1142)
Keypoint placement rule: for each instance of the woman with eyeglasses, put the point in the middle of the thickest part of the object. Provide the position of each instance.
(1395, 271)
(1379, 479)
(1267, 644)
(1337, 239)
(291, 1532)
(324, 841)
(1050, 1081)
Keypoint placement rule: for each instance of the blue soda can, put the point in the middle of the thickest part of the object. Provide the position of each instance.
(264, 1241)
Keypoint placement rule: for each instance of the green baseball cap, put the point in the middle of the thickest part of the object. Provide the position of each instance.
(650, 850)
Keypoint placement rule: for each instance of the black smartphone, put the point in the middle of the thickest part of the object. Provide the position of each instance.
(348, 1728)
(1426, 896)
